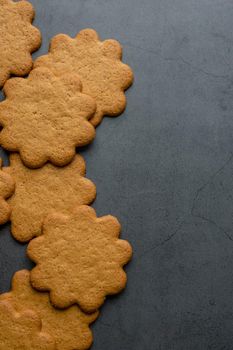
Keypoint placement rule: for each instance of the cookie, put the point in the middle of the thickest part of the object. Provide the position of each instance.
(41, 191)
(45, 117)
(69, 328)
(7, 187)
(79, 259)
(18, 38)
(98, 64)
(22, 331)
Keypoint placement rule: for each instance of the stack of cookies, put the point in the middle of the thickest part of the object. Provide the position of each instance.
(45, 118)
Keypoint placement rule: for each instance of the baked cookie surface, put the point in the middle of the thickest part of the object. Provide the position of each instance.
(7, 187)
(69, 328)
(22, 331)
(98, 64)
(45, 117)
(41, 191)
(79, 259)
(18, 38)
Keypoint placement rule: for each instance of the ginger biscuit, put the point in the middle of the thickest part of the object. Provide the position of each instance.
(79, 258)
(69, 328)
(7, 187)
(45, 117)
(41, 191)
(99, 66)
(18, 38)
(22, 331)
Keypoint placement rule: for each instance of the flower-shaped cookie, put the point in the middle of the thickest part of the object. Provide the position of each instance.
(18, 38)
(98, 64)
(45, 117)
(69, 328)
(39, 192)
(7, 187)
(79, 259)
(22, 331)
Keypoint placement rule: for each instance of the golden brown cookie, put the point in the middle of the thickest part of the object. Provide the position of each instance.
(79, 258)
(69, 328)
(22, 331)
(18, 38)
(41, 191)
(98, 64)
(7, 187)
(45, 117)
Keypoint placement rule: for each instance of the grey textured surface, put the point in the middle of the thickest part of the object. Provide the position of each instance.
(164, 168)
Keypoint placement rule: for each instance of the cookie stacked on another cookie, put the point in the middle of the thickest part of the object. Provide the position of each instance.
(69, 328)
(45, 117)
(20, 331)
(44, 193)
(98, 64)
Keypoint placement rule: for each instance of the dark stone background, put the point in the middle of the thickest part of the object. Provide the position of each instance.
(164, 168)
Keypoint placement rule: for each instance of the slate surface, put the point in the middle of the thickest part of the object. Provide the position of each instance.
(164, 168)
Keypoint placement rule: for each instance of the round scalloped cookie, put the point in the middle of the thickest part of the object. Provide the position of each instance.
(79, 258)
(99, 66)
(69, 328)
(45, 117)
(42, 191)
(18, 38)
